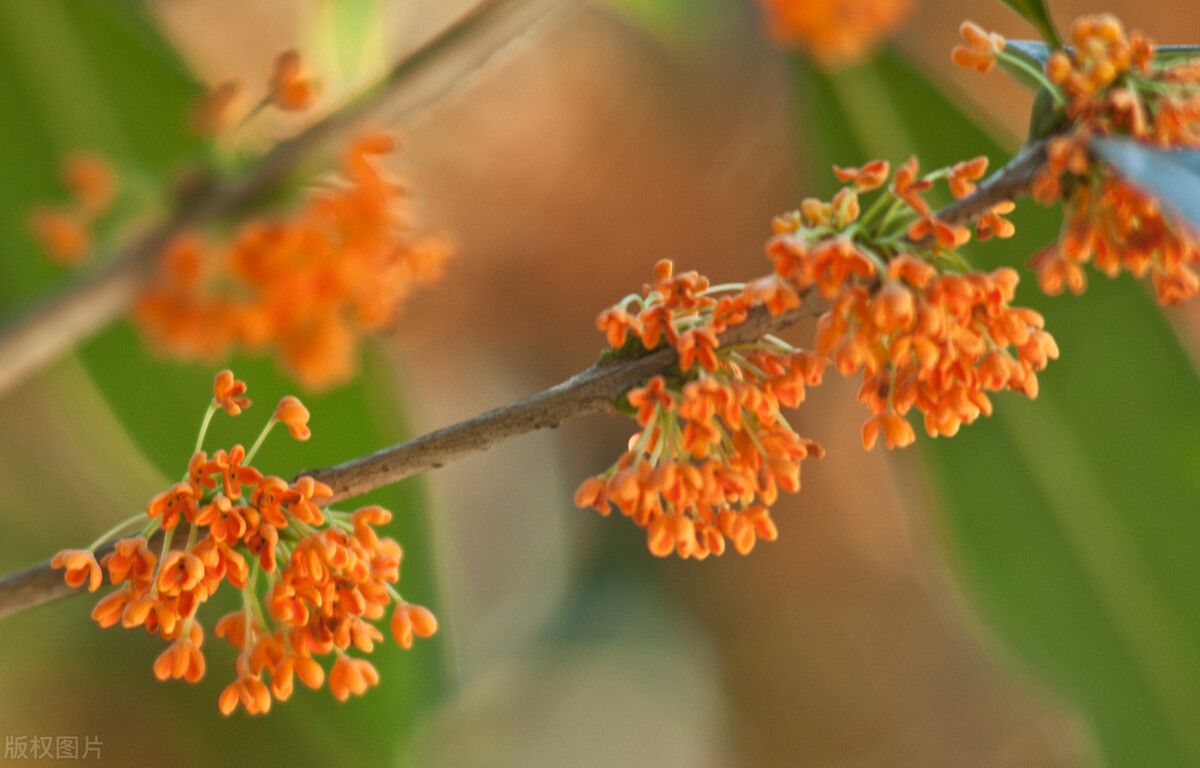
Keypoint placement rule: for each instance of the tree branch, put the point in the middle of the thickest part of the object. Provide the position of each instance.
(428, 74)
(593, 391)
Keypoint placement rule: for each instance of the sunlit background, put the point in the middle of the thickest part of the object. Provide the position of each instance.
(1022, 595)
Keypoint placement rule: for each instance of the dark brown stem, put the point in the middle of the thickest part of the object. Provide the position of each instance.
(595, 390)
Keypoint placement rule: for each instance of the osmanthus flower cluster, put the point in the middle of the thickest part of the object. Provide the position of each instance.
(312, 579)
(1111, 84)
(836, 31)
(906, 313)
(304, 285)
(714, 450)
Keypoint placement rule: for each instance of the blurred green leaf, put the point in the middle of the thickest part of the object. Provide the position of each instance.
(96, 74)
(350, 40)
(1170, 175)
(1035, 12)
(1071, 520)
(675, 21)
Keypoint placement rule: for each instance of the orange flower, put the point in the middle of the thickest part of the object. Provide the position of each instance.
(182, 659)
(91, 180)
(292, 412)
(867, 177)
(908, 187)
(233, 474)
(351, 676)
(132, 560)
(169, 505)
(200, 471)
(897, 432)
(993, 222)
(180, 572)
(248, 690)
(650, 398)
(81, 566)
(226, 523)
(268, 498)
(291, 666)
(302, 505)
(111, 607)
(409, 620)
(61, 234)
(218, 109)
(963, 175)
(698, 345)
(616, 323)
(290, 89)
(227, 393)
(980, 50)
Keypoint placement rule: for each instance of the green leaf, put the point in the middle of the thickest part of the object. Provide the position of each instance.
(1071, 520)
(1035, 12)
(97, 74)
(1045, 117)
(1169, 175)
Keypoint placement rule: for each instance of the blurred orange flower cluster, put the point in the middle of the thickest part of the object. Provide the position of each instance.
(65, 232)
(1112, 84)
(306, 286)
(223, 108)
(714, 450)
(836, 31)
(327, 573)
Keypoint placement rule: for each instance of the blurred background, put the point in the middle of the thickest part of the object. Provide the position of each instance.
(1022, 595)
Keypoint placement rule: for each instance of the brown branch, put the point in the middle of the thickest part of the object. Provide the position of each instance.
(1007, 183)
(593, 391)
(422, 78)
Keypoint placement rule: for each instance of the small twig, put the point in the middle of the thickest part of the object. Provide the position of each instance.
(593, 391)
(421, 79)
(1007, 183)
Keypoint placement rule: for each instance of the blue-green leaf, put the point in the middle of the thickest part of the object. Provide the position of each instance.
(1172, 176)
(1035, 51)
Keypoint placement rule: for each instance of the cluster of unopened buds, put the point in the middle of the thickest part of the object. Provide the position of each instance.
(312, 579)
(305, 286)
(1109, 83)
(923, 329)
